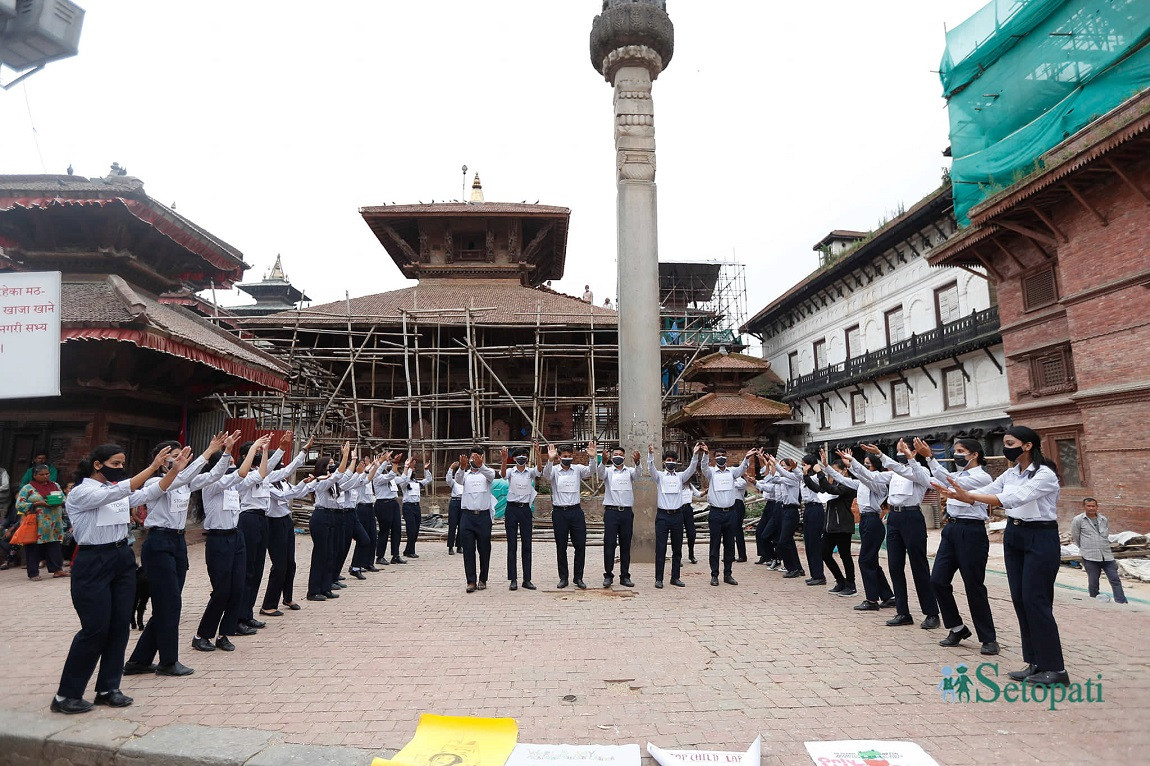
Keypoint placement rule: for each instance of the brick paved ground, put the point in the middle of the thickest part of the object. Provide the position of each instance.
(701, 666)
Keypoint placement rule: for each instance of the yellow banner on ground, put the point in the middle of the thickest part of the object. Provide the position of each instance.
(444, 740)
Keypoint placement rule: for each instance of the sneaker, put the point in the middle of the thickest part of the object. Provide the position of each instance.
(848, 590)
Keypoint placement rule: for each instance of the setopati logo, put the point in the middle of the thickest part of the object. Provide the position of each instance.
(960, 684)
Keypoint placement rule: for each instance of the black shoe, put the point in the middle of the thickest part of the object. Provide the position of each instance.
(990, 647)
(607, 580)
(340, 578)
(357, 574)
(398, 560)
(954, 638)
(730, 580)
(816, 581)
(562, 584)
(224, 645)
(626, 582)
(202, 645)
(659, 584)
(1025, 673)
(471, 587)
(715, 581)
(678, 583)
(338, 586)
(580, 585)
(254, 623)
(900, 619)
(244, 630)
(330, 594)
(528, 585)
(70, 705)
(450, 551)
(930, 623)
(382, 561)
(762, 560)
(177, 668)
(513, 586)
(743, 560)
(1049, 678)
(867, 606)
(459, 550)
(137, 668)
(117, 699)
(849, 590)
(371, 569)
(693, 560)
(482, 585)
(793, 574)
(839, 587)
(412, 555)
(889, 603)
(317, 597)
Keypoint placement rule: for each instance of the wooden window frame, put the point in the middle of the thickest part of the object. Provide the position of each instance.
(1038, 387)
(886, 324)
(857, 396)
(792, 365)
(938, 305)
(1050, 449)
(946, 403)
(1026, 305)
(815, 352)
(824, 414)
(894, 413)
(847, 341)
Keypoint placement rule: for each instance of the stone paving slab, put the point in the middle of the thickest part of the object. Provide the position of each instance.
(694, 667)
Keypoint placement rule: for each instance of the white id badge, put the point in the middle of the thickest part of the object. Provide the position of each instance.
(723, 481)
(672, 484)
(180, 499)
(117, 512)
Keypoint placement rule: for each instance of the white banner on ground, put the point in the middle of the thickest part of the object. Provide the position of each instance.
(29, 334)
(751, 757)
(575, 755)
(867, 752)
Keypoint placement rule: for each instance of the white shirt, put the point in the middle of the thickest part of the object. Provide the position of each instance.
(412, 486)
(349, 490)
(872, 487)
(521, 484)
(476, 484)
(456, 489)
(909, 482)
(382, 483)
(257, 496)
(222, 499)
(1029, 496)
(807, 494)
(968, 478)
(282, 495)
(721, 483)
(669, 484)
(788, 483)
(100, 513)
(565, 482)
(170, 509)
(327, 491)
(690, 492)
(618, 484)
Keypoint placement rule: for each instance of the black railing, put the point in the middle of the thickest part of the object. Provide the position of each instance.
(974, 331)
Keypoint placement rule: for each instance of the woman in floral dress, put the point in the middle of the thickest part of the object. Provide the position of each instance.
(45, 498)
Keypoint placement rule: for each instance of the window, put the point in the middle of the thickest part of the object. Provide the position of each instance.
(854, 342)
(858, 408)
(953, 388)
(899, 399)
(793, 364)
(1051, 372)
(895, 329)
(470, 247)
(1038, 290)
(820, 354)
(1067, 450)
(824, 414)
(946, 303)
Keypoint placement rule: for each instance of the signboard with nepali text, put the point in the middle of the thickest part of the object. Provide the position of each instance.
(29, 334)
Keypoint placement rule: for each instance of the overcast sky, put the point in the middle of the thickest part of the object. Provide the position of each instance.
(271, 123)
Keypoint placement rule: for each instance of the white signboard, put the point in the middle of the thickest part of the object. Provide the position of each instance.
(29, 334)
(751, 757)
(862, 752)
(574, 755)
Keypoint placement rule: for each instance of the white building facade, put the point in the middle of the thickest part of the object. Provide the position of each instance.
(878, 345)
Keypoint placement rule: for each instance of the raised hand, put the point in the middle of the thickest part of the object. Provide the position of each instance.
(216, 444)
(872, 449)
(183, 457)
(922, 448)
(552, 453)
(845, 455)
(904, 449)
(592, 448)
(823, 456)
(635, 457)
(345, 450)
(503, 454)
(455, 466)
(310, 441)
(162, 457)
(463, 460)
(285, 441)
(231, 440)
(650, 449)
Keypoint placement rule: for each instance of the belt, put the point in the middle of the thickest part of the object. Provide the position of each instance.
(724, 510)
(616, 507)
(259, 511)
(476, 513)
(517, 502)
(566, 507)
(672, 512)
(165, 529)
(103, 546)
(790, 505)
(218, 532)
(897, 508)
(962, 520)
(1034, 524)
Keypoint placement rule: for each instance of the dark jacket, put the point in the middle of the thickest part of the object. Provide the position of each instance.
(840, 518)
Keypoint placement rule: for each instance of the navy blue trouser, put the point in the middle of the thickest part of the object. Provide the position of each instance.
(475, 535)
(689, 532)
(343, 532)
(767, 531)
(1033, 555)
(52, 552)
(281, 551)
(517, 522)
(785, 548)
(906, 539)
(103, 587)
(164, 556)
(411, 518)
(364, 555)
(454, 509)
(814, 524)
(321, 527)
(253, 526)
(871, 534)
(618, 530)
(390, 521)
(226, 560)
(740, 534)
(964, 548)
(570, 523)
(668, 524)
(721, 525)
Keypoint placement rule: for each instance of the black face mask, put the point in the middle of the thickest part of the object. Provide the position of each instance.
(114, 474)
(1012, 453)
(901, 458)
(961, 461)
(521, 460)
(617, 460)
(721, 461)
(566, 461)
(671, 466)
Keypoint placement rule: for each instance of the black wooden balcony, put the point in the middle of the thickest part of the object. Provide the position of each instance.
(979, 329)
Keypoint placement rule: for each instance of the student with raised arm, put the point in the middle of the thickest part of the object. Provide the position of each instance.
(872, 486)
(1029, 491)
(478, 514)
(964, 546)
(669, 481)
(103, 582)
(618, 510)
(517, 518)
(281, 545)
(345, 524)
(323, 524)
(722, 516)
(366, 531)
(840, 527)
(788, 478)
(814, 520)
(388, 517)
(454, 511)
(412, 511)
(567, 518)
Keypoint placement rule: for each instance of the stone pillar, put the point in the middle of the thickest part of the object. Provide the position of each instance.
(631, 43)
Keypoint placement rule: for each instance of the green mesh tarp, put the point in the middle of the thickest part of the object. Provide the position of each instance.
(1020, 76)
